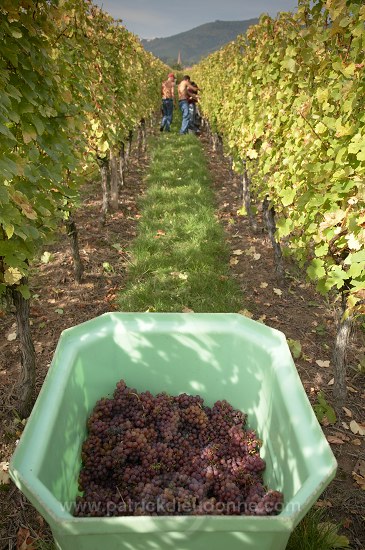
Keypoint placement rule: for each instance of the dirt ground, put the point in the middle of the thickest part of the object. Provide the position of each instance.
(295, 308)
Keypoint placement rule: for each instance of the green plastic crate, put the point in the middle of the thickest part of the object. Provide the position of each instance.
(219, 356)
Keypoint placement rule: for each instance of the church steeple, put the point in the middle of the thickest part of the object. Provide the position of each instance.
(179, 58)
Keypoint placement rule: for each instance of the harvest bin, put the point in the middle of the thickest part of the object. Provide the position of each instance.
(219, 356)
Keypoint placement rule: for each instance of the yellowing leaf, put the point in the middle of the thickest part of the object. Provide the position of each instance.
(29, 135)
(264, 285)
(323, 364)
(12, 276)
(233, 261)
(278, 291)
(252, 154)
(22, 201)
(9, 230)
(352, 242)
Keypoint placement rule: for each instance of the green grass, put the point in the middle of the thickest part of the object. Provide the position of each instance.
(179, 258)
(314, 532)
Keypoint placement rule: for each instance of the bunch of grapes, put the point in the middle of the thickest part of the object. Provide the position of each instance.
(171, 455)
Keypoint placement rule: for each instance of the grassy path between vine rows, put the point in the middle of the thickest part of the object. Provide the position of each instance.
(180, 260)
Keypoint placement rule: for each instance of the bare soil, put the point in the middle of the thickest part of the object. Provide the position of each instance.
(59, 303)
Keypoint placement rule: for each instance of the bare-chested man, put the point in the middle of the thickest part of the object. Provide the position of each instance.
(185, 89)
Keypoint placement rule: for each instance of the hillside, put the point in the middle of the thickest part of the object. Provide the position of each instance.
(198, 42)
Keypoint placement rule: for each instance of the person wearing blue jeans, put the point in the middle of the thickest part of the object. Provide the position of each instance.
(168, 90)
(184, 103)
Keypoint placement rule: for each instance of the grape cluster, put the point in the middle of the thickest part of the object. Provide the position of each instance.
(165, 455)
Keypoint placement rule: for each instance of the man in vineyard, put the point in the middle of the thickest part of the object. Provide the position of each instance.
(185, 89)
(193, 99)
(168, 90)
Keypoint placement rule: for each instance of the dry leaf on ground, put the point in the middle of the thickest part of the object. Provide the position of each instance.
(246, 313)
(24, 541)
(324, 364)
(359, 473)
(357, 428)
(335, 440)
(4, 473)
(323, 504)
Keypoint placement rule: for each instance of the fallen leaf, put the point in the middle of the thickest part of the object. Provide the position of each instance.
(261, 319)
(295, 348)
(345, 425)
(267, 304)
(246, 313)
(356, 428)
(278, 291)
(24, 541)
(264, 285)
(334, 440)
(256, 256)
(347, 412)
(356, 442)
(250, 251)
(4, 473)
(360, 466)
(331, 382)
(323, 504)
(233, 261)
(360, 480)
(342, 436)
(11, 336)
(237, 252)
(324, 364)
(187, 310)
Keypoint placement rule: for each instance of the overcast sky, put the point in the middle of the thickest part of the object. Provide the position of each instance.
(157, 18)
